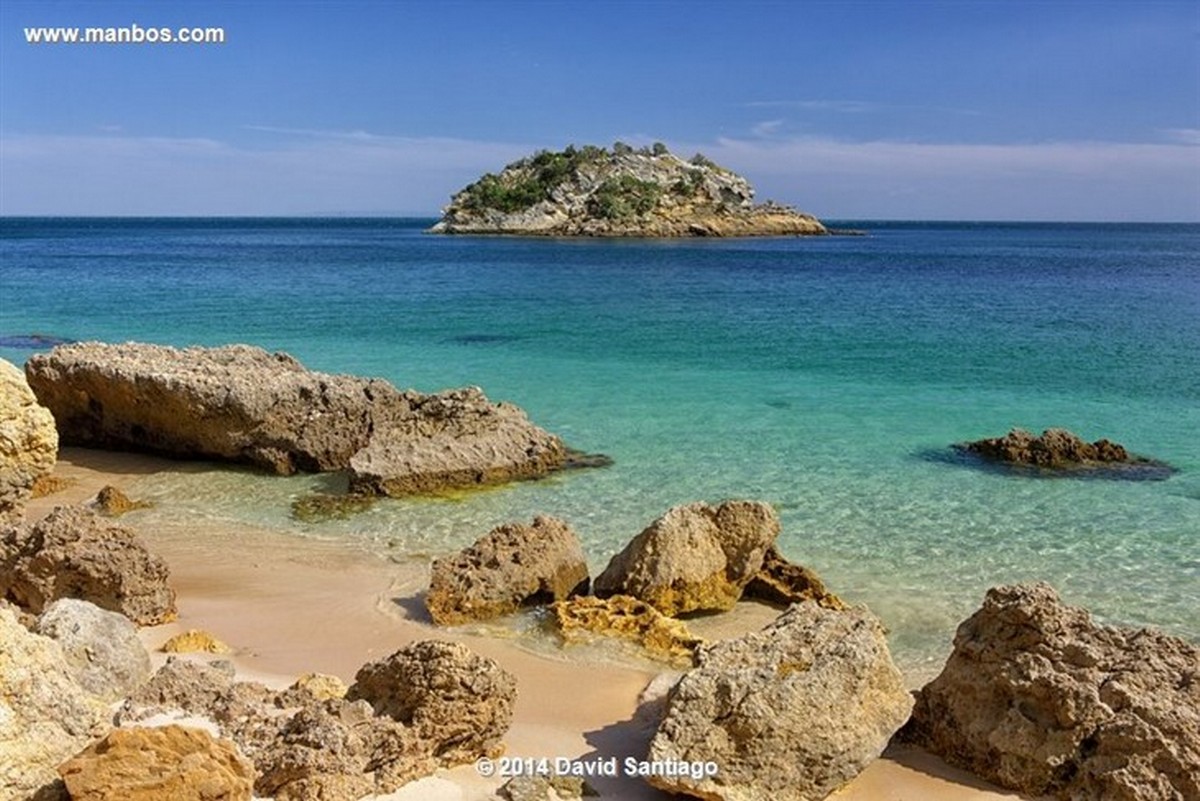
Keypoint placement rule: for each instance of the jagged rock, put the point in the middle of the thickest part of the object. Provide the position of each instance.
(784, 583)
(1058, 450)
(594, 192)
(73, 553)
(45, 716)
(695, 557)
(28, 443)
(512, 565)
(460, 704)
(239, 403)
(151, 764)
(789, 713)
(194, 641)
(111, 502)
(546, 788)
(195, 688)
(662, 637)
(101, 648)
(1038, 698)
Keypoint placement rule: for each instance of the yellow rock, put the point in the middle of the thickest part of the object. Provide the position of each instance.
(663, 637)
(321, 686)
(194, 641)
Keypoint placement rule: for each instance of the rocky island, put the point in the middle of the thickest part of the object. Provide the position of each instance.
(623, 192)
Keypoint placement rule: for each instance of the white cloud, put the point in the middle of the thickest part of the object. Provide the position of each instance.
(1187, 136)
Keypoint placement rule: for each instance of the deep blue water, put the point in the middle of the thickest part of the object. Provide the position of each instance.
(825, 375)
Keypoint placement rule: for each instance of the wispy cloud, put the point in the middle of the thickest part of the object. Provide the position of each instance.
(856, 107)
(1186, 136)
(767, 128)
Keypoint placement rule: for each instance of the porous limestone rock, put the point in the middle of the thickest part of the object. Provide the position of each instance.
(784, 583)
(111, 502)
(152, 764)
(45, 717)
(660, 636)
(695, 557)
(1059, 450)
(545, 788)
(317, 686)
(28, 443)
(101, 648)
(1039, 698)
(789, 713)
(194, 641)
(239, 403)
(74, 553)
(460, 704)
(512, 565)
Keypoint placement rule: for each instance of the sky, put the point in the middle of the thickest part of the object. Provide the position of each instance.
(889, 109)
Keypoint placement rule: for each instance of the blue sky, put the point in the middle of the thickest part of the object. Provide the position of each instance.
(913, 110)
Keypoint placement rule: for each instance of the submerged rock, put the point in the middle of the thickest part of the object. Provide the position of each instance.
(28, 443)
(320, 506)
(662, 637)
(789, 713)
(74, 553)
(111, 502)
(591, 191)
(695, 557)
(783, 583)
(512, 565)
(100, 648)
(1059, 450)
(241, 404)
(1039, 698)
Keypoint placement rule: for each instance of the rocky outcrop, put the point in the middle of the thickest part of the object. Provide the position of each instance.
(784, 583)
(239, 403)
(74, 553)
(111, 502)
(1039, 698)
(790, 713)
(662, 637)
(151, 764)
(28, 443)
(45, 717)
(512, 565)
(695, 557)
(458, 703)
(1060, 450)
(101, 649)
(591, 191)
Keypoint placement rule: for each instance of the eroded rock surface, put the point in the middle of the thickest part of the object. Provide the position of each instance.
(789, 713)
(695, 557)
(1060, 451)
(662, 637)
(782, 583)
(28, 443)
(512, 565)
(100, 648)
(1039, 698)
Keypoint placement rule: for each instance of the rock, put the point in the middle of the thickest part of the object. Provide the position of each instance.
(152, 764)
(460, 440)
(194, 641)
(111, 502)
(239, 403)
(28, 443)
(317, 507)
(789, 713)
(195, 688)
(546, 788)
(1039, 698)
(695, 557)
(318, 686)
(459, 704)
(509, 567)
(101, 648)
(1060, 451)
(784, 583)
(45, 716)
(593, 192)
(73, 553)
(662, 637)
(50, 485)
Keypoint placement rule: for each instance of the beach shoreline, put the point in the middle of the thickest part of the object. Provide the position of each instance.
(289, 605)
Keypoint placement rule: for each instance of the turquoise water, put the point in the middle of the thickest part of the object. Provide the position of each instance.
(824, 375)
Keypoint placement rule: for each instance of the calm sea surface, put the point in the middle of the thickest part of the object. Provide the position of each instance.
(827, 376)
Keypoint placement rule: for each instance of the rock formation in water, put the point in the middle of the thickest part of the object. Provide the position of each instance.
(28, 443)
(1039, 698)
(1059, 450)
(591, 191)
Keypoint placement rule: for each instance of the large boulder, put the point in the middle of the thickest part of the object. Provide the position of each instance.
(45, 717)
(789, 713)
(151, 764)
(459, 703)
(694, 558)
(512, 565)
(1039, 698)
(101, 648)
(74, 553)
(28, 442)
(239, 403)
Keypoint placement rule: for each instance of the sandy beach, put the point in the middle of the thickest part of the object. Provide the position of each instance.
(289, 605)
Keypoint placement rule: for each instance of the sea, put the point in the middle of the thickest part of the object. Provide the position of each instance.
(829, 376)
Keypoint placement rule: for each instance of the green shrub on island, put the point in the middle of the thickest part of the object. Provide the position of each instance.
(624, 197)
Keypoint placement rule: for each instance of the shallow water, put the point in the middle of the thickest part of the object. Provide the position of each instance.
(818, 374)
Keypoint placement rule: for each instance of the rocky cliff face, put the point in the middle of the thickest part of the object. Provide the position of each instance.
(592, 191)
